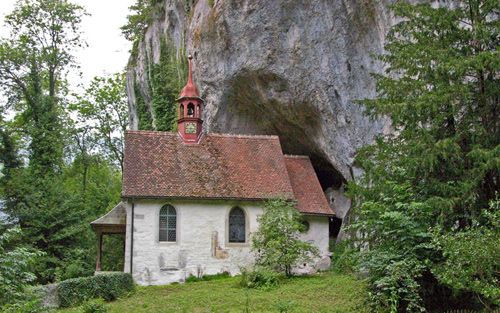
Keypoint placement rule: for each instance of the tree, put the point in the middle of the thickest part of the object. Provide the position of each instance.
(276, 244)
(435, 174)
(44, 34)
(33, 63)
(138, 22)
(104, 105)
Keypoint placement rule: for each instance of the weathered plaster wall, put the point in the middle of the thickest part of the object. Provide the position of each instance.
(159, 263)
(318, 232)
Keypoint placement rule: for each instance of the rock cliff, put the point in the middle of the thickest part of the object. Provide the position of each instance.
(289, 68)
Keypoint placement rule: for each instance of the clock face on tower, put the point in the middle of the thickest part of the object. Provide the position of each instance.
(190, 128)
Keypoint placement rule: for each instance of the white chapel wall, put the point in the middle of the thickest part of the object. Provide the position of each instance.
(198, 251)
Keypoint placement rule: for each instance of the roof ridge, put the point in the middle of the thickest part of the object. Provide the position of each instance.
(244, 136)
(295, 156)
(164, 133)
(150, 132)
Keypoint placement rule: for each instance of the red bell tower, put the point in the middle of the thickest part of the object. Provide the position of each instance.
(189, 124)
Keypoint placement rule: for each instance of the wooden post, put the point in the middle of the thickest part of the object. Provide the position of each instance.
(99, 251)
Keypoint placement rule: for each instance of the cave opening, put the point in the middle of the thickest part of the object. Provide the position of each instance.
(328, 176)
(333, 185)
(335, 225)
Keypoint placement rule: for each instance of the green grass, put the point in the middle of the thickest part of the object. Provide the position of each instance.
(320, 293)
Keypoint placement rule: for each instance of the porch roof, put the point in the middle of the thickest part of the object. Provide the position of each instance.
(113, 222)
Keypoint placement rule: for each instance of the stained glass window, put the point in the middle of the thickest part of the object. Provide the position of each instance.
(168, 224)
(237, 225)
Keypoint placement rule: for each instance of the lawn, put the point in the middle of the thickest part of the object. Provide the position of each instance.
(320, 293)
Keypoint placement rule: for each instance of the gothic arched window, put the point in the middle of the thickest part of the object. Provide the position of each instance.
(168, 224)
(237, 225)
(181, 111)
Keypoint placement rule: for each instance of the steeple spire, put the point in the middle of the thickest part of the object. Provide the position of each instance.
(190, 89)
(190, 105)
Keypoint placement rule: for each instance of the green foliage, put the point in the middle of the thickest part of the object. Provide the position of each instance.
(344, 258)
(137, 23)
(286, 306)
(8, 154)
(472, 256)
(259, 278)
(192, 278)
(145, 120)
(45, 210)
(104, 105)
(66, 181)
(155, 100)
(167, 78)
(276, 244)
(428, 184)
(33, 61)
(164, 83)
(28, 305)
(15, 269)
(95, 306)
(109, 287)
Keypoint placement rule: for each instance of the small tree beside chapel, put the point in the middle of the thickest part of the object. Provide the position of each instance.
(276, 244)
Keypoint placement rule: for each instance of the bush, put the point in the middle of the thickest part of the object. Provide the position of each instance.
(73, 292)
(277, 245)
(344, 259)
(15, 268)
(259, 278)
(95, 306)
(192, 278)
(24, 306)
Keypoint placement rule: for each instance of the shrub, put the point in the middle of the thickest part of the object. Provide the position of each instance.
(276, 244)
(344, 259)
(95, 306)
(29, 305)
(259, 278)
(192, 278)
(15, 268)
(73, 292)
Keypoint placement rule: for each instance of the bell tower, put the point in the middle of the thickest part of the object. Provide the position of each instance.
(189, 124)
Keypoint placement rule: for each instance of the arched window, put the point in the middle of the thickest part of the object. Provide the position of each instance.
(198, 113)
(168, 224)
(190, 110)
(181, 111)
(237, 225)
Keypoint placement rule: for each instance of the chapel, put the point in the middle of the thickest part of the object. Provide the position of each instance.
(190, 200)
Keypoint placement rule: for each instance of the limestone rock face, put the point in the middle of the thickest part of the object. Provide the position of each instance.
(289, 68)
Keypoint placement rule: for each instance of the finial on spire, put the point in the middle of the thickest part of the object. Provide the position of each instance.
(190, 77)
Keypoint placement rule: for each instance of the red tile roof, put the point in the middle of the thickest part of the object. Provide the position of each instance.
(306, 187)
(160, 165)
